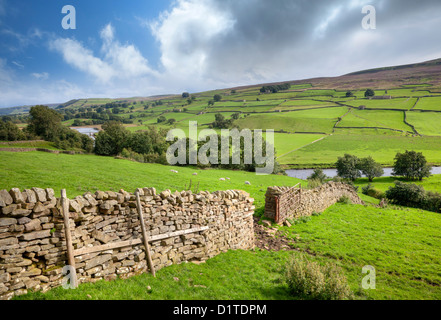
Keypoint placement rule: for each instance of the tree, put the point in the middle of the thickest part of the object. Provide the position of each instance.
(220, 122)
(10, 132)
(369, 93)
(171, 121)
(349, 94)
(112, 140)
(411, 165)
(318, 175)
(370, 168)
(44, 122)
(348, 167)
(235, 116)
(185, 95)
(217, 98)
(211, 103)
(161, 119)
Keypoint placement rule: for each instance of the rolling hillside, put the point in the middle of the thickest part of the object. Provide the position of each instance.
(403, 114)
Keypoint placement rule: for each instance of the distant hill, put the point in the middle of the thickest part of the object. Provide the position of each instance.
(378, 78)
(431, 63)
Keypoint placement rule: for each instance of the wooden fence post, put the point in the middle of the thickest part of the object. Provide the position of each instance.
(70, 251)
(144, 236)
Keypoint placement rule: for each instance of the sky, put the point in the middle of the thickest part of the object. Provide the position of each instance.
(144, 47)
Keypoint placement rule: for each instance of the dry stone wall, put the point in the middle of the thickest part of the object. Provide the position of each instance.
(284, 203)
(32, 235)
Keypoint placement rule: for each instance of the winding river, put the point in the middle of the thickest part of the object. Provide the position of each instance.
(305, 173)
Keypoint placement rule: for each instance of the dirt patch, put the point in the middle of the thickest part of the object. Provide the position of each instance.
(271, 239)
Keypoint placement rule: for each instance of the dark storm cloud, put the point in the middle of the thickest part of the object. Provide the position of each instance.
(261, 40)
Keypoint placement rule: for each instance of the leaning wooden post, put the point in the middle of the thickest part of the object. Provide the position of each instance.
(70, 250)
(144, 235)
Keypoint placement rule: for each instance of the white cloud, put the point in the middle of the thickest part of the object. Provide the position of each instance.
(5, 74)
(19, 65)
(82, 58)
(187, 34)
(41, 76)
(117, 61)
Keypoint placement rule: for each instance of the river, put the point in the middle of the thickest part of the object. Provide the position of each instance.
(305, 173)
(89, 131)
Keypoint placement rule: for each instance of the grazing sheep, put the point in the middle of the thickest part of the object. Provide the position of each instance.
(222, 179)
(228, 178)
(248, 183)
(195, 174)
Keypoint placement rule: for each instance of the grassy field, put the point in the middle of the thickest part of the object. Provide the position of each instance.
(375, 118)
(399, 103)
(382, 148)
(81, 173)
(321, 120)
(430, 184)
(426, 123)
(29, 144)
(429, 103)
(402, 244)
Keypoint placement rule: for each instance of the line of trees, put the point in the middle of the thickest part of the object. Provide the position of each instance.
(275, 88)
(351, 167)
(411, 165)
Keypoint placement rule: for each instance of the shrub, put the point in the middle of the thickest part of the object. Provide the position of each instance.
(409, 195)
(345, 200)
(432, 202)
(377, 194)
(412, 195)
(370, 191)
(314, 183)
(319, 175)
(365, 190)
(308, 279)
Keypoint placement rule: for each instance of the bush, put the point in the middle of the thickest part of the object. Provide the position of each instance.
(365, 190)
(404, 194)
(370, 191)
(314, 183)
(432, 202)
(412, 195)
(345, 200)
(319, 175)
(308, 279)
(9, 131)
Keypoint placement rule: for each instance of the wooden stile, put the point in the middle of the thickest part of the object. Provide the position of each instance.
(144, 236)
(70, 250)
